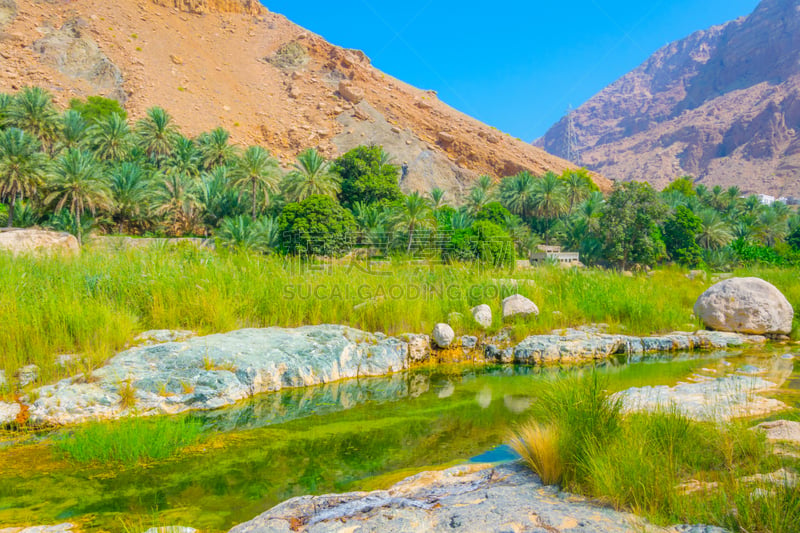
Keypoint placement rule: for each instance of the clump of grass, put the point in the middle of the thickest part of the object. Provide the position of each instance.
(130, 441)
(642, 462)
(537, 444)
(127, 395)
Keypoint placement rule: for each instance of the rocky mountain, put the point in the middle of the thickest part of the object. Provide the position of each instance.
(722, 105)
(234, 63)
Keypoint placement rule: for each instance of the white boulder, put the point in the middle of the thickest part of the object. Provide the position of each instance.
(518, 305)
(482, 315)
(443, 335)
(36, 241)
(745, 305)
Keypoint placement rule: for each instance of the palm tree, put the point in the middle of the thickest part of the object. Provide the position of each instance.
(715, 232)
(414, 214)
(22, 167)
(311, 175)
(516, 193)
(485, 182)
(5, 102)
(216, 196)
(256, 169)
(110, 138)
(130, 190)
(175, 199)
(214, 148)
(548, 200)
(73, 131)
(576, 189)
(156, 134)
(477, 199)
(771, 227)
(717, 198)
(185, 159)
(32, 110)
(77, 184)
(436, 198)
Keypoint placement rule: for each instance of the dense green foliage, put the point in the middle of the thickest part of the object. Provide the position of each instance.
(367, 177)
(485, 242)
(316, 226)
(680, 237)
(89, 171)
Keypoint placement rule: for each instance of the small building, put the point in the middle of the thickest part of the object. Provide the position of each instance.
(553, 254)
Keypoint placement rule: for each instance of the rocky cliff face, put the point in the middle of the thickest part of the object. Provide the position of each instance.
(721, 105)
(266, 80)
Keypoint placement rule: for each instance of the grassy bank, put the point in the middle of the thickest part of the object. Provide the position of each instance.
(659, 465)
(95, 303)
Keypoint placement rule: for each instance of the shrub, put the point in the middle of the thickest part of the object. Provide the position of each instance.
(316, 226)
(495, 213)
(97, 108)
(485, 242)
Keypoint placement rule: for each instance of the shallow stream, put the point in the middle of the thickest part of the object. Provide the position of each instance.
(354, 435)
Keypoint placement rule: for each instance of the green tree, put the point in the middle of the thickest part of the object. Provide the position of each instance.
(793, 239)
(256, 170)
(214, 148)
(22, 167)
(130, 192)
(110, 138)
(437, 198)
(413, 214)
(242, 232)
(175, 198)
(493, 212)
(311, 176)
(516, 193)
(74, 130)
(366, 177)
(629, 225)
(156, 134)
(316, 226)
(77, 184)
(216, 196)
(32, 110)
(577, 187)
(680, 237)
(714, 231)
(185, 159)
(684, 185)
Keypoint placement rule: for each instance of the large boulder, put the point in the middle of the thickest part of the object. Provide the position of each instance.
(443, 335)
(36, 241)
(518, 305)
(482, 315)
(745, 305)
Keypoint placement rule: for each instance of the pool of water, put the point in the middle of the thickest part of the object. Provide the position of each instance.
(354, 435)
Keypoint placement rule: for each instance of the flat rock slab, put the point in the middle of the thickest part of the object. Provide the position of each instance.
(573, 346)
(707, 398)
(470, 498)
(219, 370)
(781, 431)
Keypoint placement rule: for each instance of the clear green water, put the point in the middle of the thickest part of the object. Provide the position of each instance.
(354, 435)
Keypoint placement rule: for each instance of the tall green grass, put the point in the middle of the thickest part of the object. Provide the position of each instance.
(95, 303)
(640, 462)
(130, 440)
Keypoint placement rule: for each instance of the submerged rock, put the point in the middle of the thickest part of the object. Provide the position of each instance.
(218, 370)
(710, 398)
(59, 528)
(745, 305)
(472, 498)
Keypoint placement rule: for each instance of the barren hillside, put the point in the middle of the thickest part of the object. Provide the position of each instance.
(234, 63)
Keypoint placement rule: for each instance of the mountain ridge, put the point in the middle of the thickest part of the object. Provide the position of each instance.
(720, 105)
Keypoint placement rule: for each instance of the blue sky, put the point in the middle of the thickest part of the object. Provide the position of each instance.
(514, 65)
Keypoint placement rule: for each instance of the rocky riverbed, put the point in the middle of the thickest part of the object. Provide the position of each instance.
(219, 370)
